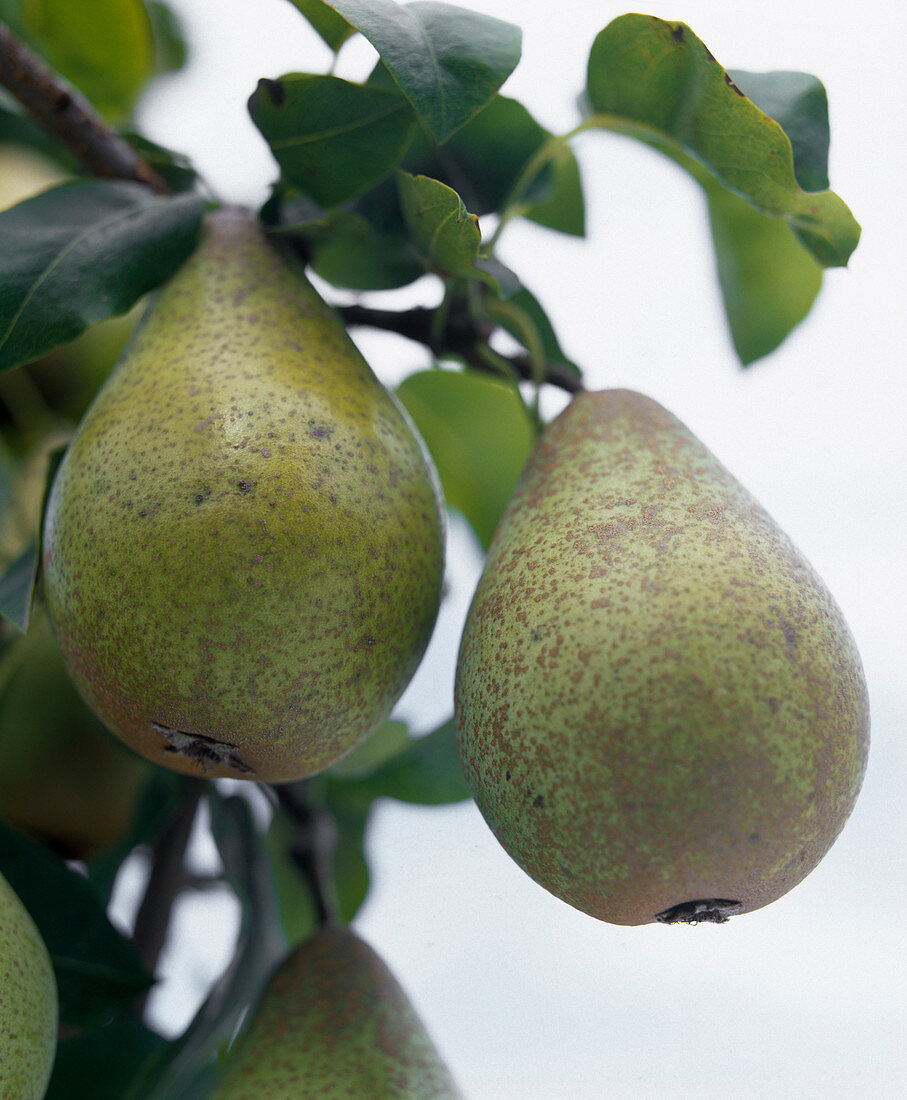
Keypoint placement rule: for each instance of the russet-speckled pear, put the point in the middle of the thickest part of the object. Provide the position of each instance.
(243, 547)
(333, 1023)
(28, 1003)
(662, 713)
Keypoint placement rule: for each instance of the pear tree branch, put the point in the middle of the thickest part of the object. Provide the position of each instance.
(70, 118)
(462, 338)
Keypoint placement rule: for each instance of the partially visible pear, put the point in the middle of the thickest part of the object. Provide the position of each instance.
(662, 713)
(243, 547)
(333, 1023)
(64, 780)
(28, 1003)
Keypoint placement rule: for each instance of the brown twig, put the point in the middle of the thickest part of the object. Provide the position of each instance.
(68, 117)
(462, 338)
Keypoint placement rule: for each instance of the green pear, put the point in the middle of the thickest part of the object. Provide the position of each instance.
(64, 780)
(333, 1023)
(28, 1003)
(662, 713)
(243, 548)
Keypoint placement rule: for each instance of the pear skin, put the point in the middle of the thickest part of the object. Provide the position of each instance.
(662, 713)
(333, 1023)
(28, 1003)
(243, 546)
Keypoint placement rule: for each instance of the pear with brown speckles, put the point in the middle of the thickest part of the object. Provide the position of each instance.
(28, 1003)
(333, 1023)
(662, 713)
(243, 547)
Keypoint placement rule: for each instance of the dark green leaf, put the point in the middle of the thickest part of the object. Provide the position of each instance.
(17, 129)
(491, 162)
(16, 586)
(18, 582)
(657, 81)
(103, 1062)
(106, 50)
(332, 27)
(174, 168)
(168, 40)
(82, 252)
(332, 138)
(186, 1069)
(298, 916)
(444, 231)
(448, 61)
(523, 317)
(387, 741)
(479, 434)
(96, 968)
(427, 772)
(768, 279)
(351, 876)
(798, 103)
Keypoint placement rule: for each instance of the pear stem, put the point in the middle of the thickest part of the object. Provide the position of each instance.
(67, 116)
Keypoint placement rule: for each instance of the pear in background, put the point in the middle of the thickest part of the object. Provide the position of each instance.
(28, 1003)
(333, 1023)
(64, 780)
(243, 547)
(661, 711)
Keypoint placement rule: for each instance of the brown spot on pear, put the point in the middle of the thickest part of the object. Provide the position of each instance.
(333, 1023)
(662, 713)
(243, 548)
(28, 1003)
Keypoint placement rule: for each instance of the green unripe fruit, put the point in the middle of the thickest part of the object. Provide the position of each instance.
(28, 1003)
(661, 711)
(333, 1023)
(243, 547)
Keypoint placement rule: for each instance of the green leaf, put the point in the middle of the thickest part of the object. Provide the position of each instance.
(96, 968)
(332, 138)
(479, 434)
(448, 61)
(298, 916)
(427, 772)
(657, 81)
(332, 27)
(102, 1062)
(387, 741)
(768, 279)
(443, 230)
(82, 252)
(489, 158)
(18, 582)
(174, 168)
(168, 40)
(106, 49)
(523, 317)
(351, 875)
(16, 586)
(798, 103)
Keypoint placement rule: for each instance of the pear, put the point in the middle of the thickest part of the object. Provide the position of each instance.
(243, 548)
(64, 780)
(333, 1023)
(28, 1003)
(661, 711)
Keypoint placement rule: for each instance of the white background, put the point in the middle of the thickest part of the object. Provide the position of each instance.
(527, 998)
